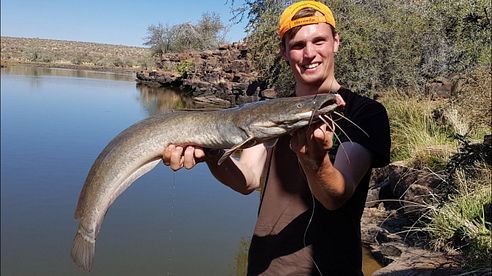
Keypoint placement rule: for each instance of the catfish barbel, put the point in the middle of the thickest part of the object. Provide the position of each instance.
(139, 148)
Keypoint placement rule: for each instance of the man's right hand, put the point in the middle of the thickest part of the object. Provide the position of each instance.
(178, 157)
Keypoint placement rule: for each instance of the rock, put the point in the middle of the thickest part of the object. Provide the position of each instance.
(416, 261)
(224, 72)
(379, 228)
(268, 93)
(415, 189)
(443, 87)
(211, 101)
(372, 199)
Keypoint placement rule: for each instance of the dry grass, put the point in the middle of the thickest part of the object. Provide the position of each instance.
(34, 50)
(413, 128)
(473, 102)
(464, 224)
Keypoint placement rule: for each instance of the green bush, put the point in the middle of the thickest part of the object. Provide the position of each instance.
(184, 67)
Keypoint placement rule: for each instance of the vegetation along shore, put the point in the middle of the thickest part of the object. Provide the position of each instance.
(428, 62)
(73, 54)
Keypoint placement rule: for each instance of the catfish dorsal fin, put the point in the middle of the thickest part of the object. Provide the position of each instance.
(245, 144)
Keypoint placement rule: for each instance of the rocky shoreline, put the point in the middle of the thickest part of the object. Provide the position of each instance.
(384, 231)
(119, 70)
(222, 77)
(396, 201)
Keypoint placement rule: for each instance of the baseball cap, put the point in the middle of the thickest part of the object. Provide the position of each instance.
(286, 23)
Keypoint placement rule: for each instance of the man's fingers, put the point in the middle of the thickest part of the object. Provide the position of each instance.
(189, 157)
(321, 132)
(298, 141)
(324, 135)
(176, 158)
(340, 101)
(199, 154)
(166, 155)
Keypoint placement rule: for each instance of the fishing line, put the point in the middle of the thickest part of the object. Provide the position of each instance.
(312, 196)
(305, 233)
(172, 203)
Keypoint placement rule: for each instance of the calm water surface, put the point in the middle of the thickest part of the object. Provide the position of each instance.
(54, 123)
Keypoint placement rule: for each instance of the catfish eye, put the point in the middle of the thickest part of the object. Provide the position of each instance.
(299, 105)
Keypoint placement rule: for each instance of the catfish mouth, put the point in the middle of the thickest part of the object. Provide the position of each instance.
(326, 107)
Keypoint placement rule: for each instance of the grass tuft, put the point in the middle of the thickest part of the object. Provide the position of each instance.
(464, 224)
(413, 128)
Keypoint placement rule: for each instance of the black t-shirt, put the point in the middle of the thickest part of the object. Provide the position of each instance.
(282, 242)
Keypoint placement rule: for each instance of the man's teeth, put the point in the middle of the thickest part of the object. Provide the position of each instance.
(311, 66)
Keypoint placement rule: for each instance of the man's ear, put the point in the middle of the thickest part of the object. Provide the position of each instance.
(283, 51)
(336, 42)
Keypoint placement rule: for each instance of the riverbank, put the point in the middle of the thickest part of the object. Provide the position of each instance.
(223, 77)
(74, 54)
(128, 71)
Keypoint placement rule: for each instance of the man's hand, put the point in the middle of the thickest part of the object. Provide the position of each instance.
(178, 157)
(312, 143)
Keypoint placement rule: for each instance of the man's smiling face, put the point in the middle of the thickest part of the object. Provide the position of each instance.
(310, 53)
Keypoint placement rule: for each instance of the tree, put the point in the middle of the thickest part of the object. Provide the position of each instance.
(212, 30)
(159, 39)
(185, 36)
(263, 42)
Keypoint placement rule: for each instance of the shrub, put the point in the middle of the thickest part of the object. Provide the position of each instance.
(184, 67)
(472, 101)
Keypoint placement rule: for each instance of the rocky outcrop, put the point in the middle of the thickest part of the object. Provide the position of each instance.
(399, 198)
(394, 205)
(222, 76)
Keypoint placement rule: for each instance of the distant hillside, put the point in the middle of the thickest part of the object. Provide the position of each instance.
(75, 53)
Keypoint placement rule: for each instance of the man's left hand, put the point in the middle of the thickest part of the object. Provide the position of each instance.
(313, 142)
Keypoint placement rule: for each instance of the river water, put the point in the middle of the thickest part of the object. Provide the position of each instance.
(54, 123)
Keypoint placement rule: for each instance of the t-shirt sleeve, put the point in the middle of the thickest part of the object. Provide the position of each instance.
(372, 118)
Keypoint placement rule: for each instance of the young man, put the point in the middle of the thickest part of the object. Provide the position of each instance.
(315, 187)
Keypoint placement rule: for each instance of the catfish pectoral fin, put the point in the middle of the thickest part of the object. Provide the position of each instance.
(83, 252)
(245, 144)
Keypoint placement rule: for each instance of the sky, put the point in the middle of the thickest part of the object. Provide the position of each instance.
(121, 22)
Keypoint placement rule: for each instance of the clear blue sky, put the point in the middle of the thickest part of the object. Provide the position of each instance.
(122, 22)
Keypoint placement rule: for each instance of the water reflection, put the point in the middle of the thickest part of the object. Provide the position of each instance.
(159, 99)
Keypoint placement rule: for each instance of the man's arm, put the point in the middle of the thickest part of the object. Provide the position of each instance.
(331, 184)
(241, 175)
